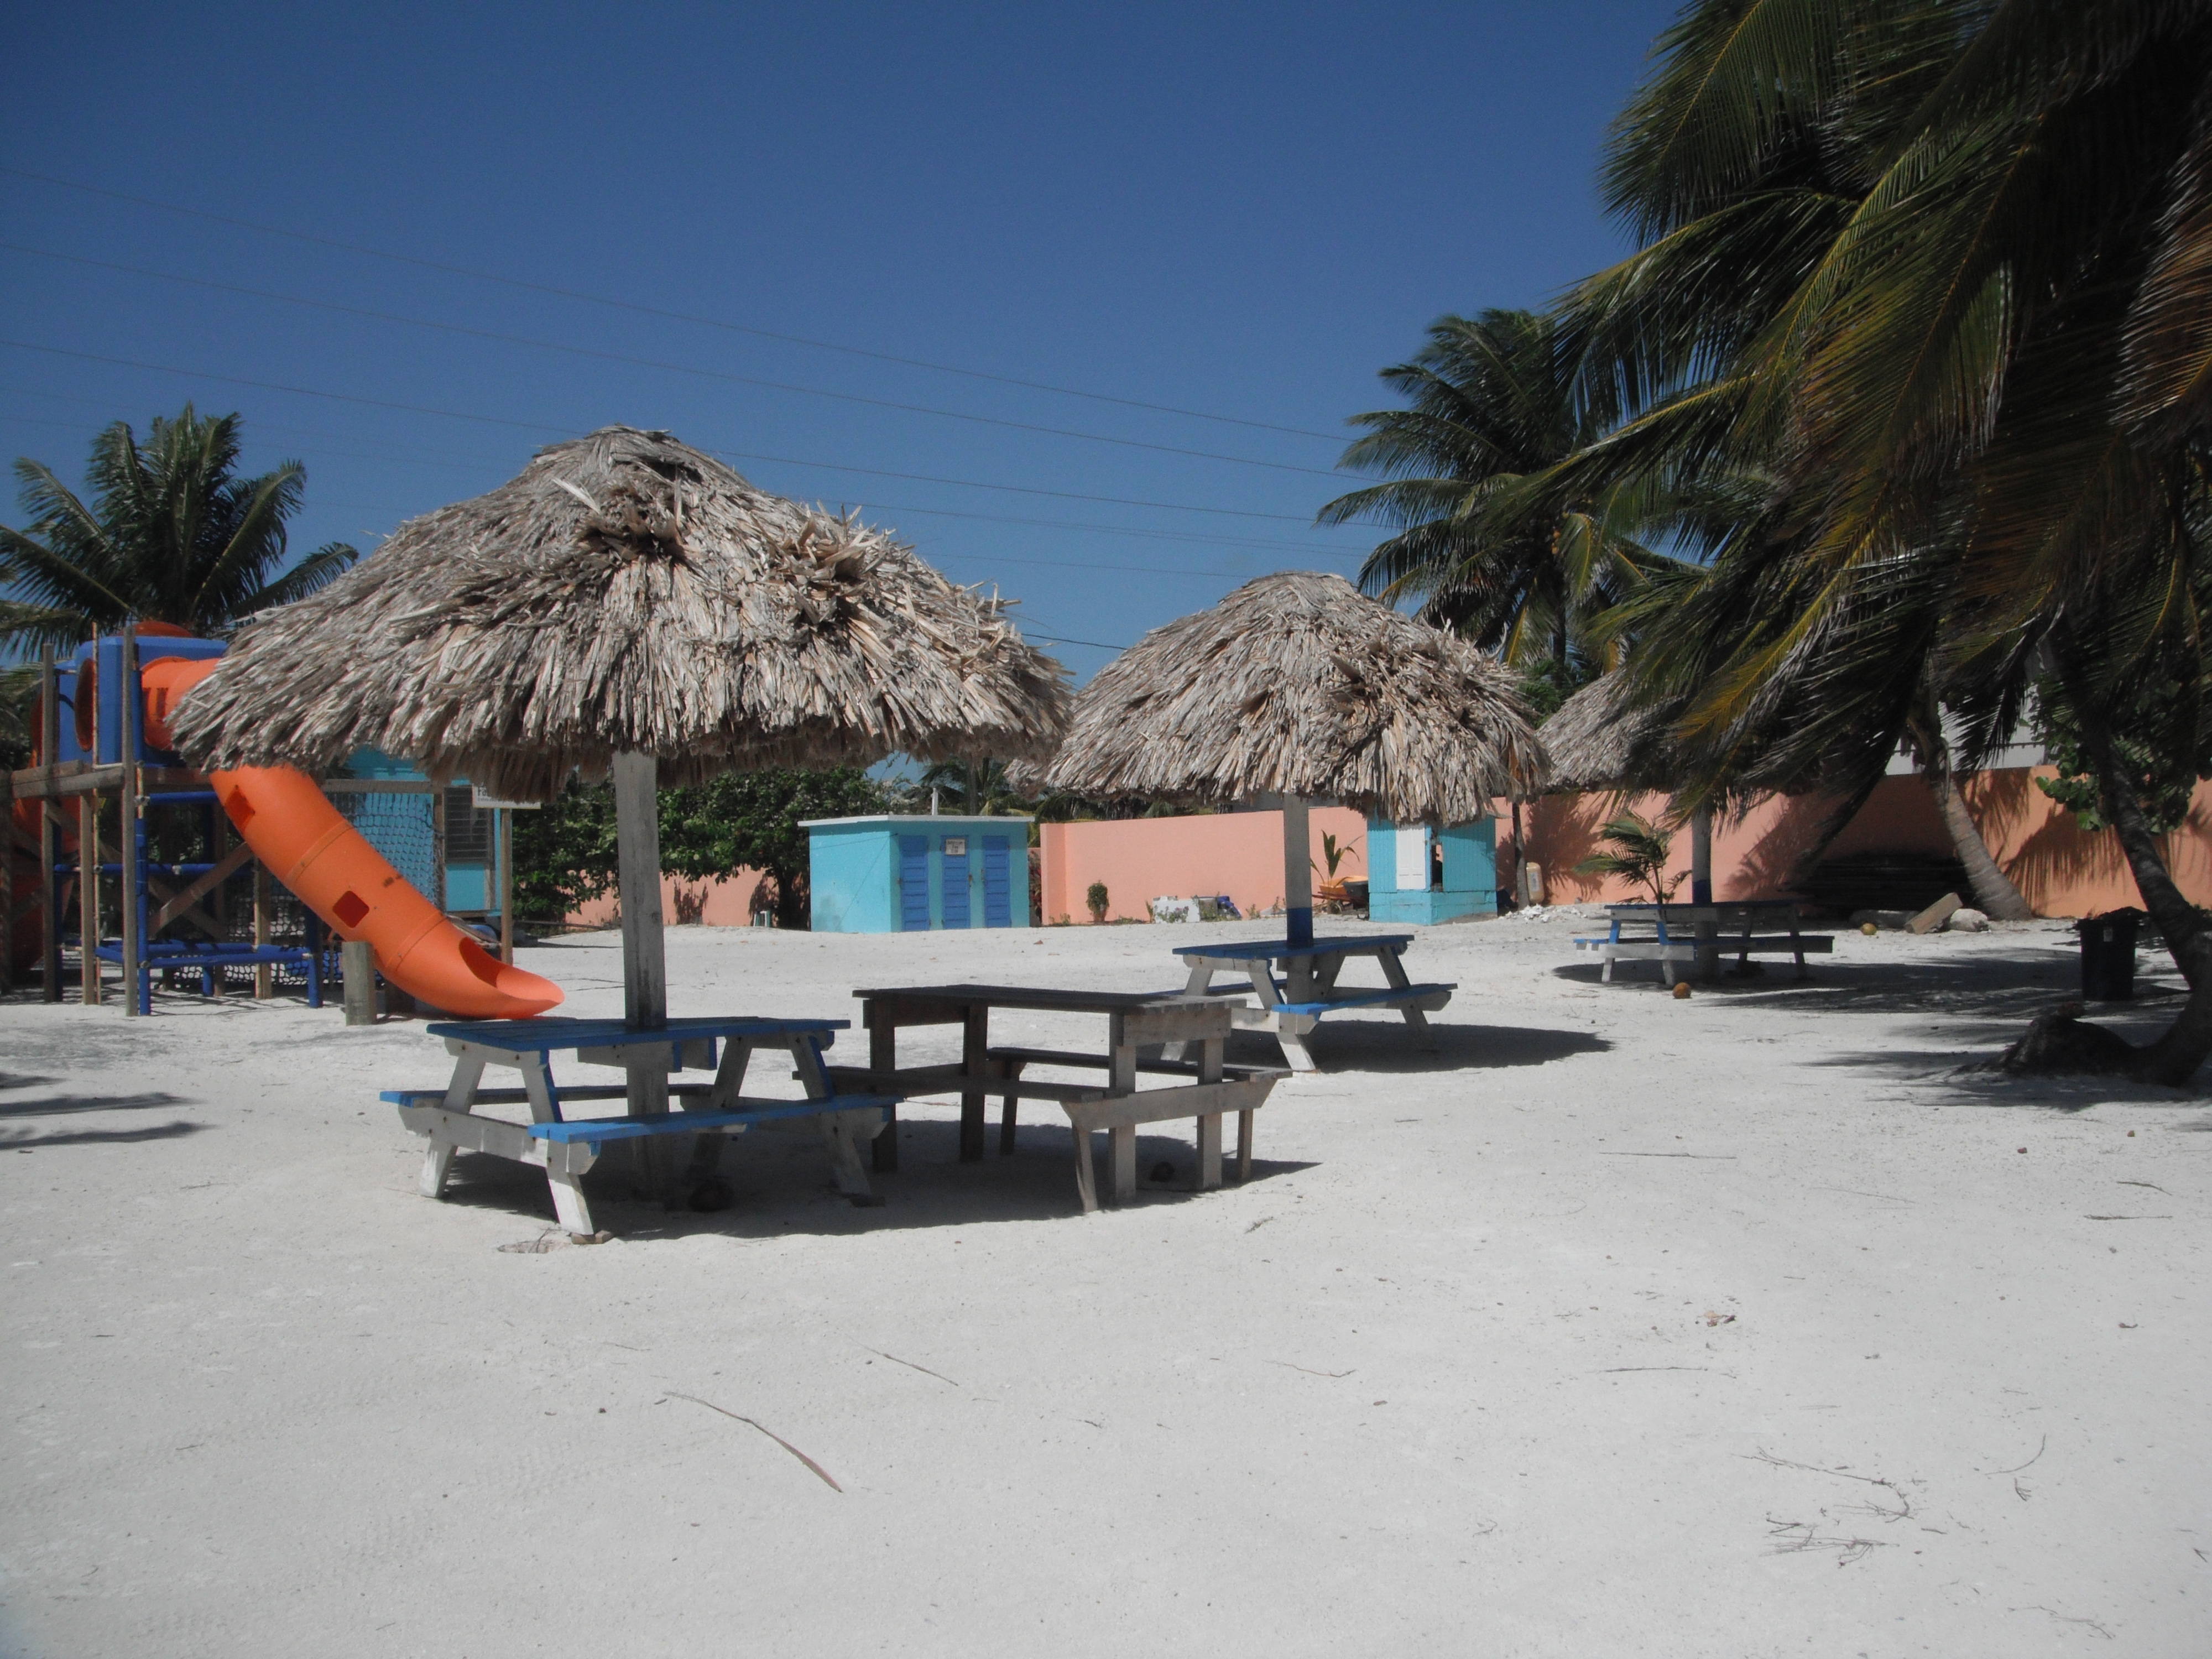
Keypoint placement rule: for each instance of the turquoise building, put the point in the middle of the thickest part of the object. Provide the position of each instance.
(1415, 873)
(890, 874)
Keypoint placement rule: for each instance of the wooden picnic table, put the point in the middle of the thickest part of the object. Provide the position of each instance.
(1701, 934)
(1291, 1008)
(565, 1146)
(1139, 1025)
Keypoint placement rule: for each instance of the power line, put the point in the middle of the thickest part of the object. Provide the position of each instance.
(599, 355)
(656, 311)
(888, 506)
(571, 432)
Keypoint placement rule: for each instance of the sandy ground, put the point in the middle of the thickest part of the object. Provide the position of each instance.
(1617, 1325)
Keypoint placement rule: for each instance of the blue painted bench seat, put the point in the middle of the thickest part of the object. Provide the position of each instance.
(597, 1131)
(1389, 996)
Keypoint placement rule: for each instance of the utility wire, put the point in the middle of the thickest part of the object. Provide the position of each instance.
(655, 311)
(322, 501)
(571, 432)
(599, 355)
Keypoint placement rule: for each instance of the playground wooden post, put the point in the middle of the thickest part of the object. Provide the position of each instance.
(87, 898)
(505, 854)
(8, 885)
(50, 920)
(265, 903)
(130, 833)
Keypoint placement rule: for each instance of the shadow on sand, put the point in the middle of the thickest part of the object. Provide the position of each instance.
(1389, 1045)
(27, 1143)
(63, 1105)
(1985, 1001)
(779, 1184)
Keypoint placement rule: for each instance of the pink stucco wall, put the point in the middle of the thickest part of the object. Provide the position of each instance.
(1139, 859)
(2061, 870)
(725, 902)
(2058, 868)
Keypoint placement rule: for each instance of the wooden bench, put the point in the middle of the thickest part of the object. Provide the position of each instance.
(566, 1147)
(1009, 1063)
(1695, 934)
(1427, 998)
(1291, 1008)
(1139, 1025)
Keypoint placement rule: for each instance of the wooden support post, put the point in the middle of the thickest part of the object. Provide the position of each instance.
(130, 835)
(50, 915)
(218, 824)
(264, 908)
(1701, 855)
(974, 1046)
(882, 1058)
(505, 854)
(88, 897)
(1297, 872)
(359, 966)
(8, 884)
(438, 849)
(645, 960)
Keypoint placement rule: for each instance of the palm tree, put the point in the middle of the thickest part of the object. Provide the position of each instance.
(1943, 271)
(172, 535)
(1492, 402)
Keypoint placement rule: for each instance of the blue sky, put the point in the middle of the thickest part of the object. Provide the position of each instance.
(1244, 211)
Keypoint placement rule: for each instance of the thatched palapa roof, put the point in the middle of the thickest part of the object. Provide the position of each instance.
(1299, 685)
(626, 592)
(1597, 742)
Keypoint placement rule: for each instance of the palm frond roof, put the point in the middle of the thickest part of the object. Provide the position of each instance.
(1299, 685)
(625, 592)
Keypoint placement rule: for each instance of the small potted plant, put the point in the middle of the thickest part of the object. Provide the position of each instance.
(1096, 900)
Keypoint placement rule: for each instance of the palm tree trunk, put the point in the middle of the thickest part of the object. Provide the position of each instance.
(1994, 892)
(2175, 1056)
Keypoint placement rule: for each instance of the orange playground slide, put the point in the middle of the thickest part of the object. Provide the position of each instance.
(304, 841)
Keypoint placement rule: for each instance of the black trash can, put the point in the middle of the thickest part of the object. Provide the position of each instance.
(2108, 955)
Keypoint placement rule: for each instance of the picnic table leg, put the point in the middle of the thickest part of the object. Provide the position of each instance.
(1394, 970)
(702, 1180)
(1209, 1124)
(975, 1064)
(883, 1056)
(1086, 1174)
(1195, 984)
(1271, 1003)
(460, 1097)
(1121, 1138)
(1010, 1107)
(564, 1174)
(1244, 1146)
(845, 1165)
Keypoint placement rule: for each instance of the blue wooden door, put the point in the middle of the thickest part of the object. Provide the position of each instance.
(997, 896)
(955, 906)
(913, 884)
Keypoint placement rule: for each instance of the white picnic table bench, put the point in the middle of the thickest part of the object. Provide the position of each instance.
(1308, 990)
(1699, 935)
(1138, 1025)
(565, 1147)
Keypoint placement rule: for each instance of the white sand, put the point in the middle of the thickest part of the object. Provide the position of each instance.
(1539, 1344)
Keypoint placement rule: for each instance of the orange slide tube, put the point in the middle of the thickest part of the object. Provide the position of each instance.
(306, 843)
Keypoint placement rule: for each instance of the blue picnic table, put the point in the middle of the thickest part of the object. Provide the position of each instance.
(565, 1145)
(1701, 934)
(1290, 1007)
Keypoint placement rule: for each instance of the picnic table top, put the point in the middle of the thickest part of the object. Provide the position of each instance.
(1024, 996)
(548, 1032)
(1713, 908)
(1265, 950)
